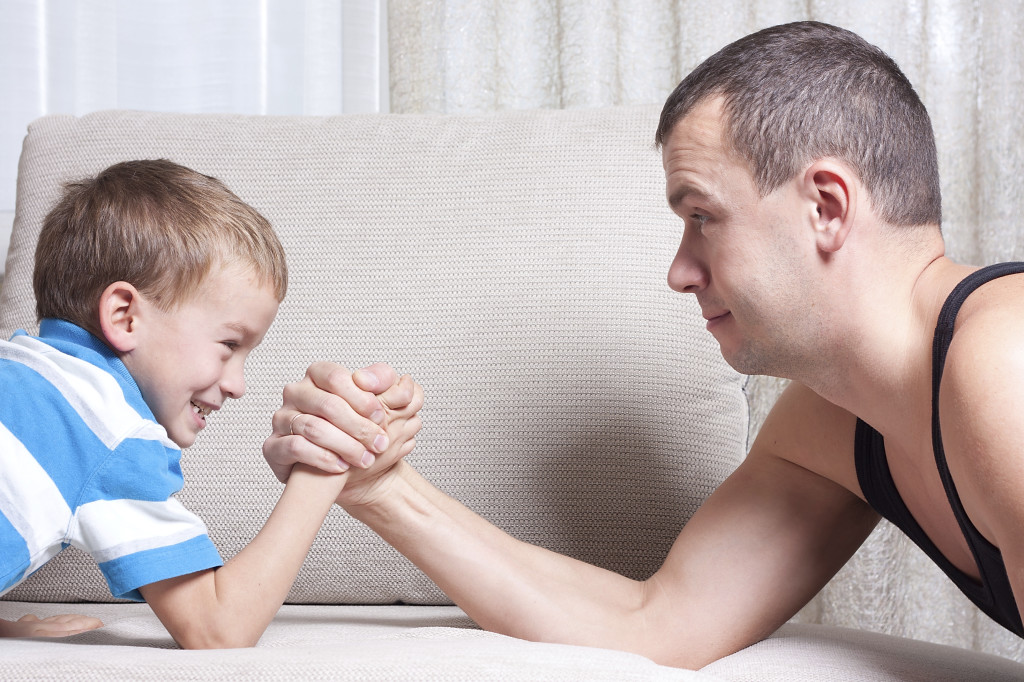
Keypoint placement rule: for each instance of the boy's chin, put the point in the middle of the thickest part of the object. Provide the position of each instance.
(183, 440)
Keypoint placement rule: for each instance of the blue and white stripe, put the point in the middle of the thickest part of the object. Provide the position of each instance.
(83, 463)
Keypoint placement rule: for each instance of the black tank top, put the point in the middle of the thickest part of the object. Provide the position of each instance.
(993, 594)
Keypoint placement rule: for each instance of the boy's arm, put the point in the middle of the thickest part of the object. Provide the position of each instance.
(232, 605)
(63, 625)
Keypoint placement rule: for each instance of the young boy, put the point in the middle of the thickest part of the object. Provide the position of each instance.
(153, 284)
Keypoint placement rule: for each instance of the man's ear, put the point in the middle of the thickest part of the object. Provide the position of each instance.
(118, 316)
(832, 189)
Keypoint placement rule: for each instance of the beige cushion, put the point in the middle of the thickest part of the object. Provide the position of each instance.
(440, 643)
(825, 653)
(336, 643)
(513, 263)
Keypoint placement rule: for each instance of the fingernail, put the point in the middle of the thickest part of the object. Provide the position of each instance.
(377, 417)
(380, 443)
(367, 378)
(368, 459)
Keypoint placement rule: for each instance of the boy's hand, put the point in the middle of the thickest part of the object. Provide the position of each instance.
(53, 626)
(332, 420)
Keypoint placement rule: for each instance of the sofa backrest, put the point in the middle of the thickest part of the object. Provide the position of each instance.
(513, 263)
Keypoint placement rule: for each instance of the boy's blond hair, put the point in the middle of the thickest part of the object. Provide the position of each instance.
(157, 225)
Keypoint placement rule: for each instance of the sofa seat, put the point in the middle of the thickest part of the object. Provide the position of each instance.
(404, 642)
(314, 642)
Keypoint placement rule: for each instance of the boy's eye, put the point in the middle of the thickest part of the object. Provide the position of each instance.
(231, 345)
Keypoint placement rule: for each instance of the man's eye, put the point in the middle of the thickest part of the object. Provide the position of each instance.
(700, 219)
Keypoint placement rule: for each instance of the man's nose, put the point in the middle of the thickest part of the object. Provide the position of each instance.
(686, 274)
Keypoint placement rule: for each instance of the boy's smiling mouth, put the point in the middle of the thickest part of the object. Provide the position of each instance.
(203, 412)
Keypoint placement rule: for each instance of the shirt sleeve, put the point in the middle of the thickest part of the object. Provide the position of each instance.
(133, 527)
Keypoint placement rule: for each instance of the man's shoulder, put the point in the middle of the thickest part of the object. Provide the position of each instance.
(987, 345)
(812, 432)
(981, 398)
(994, 307)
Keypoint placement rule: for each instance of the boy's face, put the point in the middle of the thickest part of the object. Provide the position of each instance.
(189, 360)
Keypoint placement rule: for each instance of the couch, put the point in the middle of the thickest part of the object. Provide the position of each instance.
(514, 264)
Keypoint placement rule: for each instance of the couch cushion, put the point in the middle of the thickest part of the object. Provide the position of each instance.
(513, 263)
(441, 643)
(304, 642)
(824, 653)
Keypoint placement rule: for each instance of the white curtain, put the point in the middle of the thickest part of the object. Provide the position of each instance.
(233, 56)
(965, 58)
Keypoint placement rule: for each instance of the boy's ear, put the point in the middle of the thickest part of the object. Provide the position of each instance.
(118, 313)
(833, 191)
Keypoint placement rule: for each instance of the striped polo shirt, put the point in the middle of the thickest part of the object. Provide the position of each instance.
(84, 463)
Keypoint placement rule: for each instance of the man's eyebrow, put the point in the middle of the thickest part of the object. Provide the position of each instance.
(682, 193)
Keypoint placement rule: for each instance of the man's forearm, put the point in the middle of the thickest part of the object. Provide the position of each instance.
(505, 585)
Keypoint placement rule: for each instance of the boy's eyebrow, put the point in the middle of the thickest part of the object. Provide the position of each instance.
(239, 327)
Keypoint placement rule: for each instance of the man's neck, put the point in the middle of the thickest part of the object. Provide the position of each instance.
(880, 367)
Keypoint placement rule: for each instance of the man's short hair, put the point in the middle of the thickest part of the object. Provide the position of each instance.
(799, 92)
(157, 225)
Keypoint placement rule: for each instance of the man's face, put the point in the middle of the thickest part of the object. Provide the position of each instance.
(744, 256)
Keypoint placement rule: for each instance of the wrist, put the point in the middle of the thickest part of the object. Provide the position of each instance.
(375, 495)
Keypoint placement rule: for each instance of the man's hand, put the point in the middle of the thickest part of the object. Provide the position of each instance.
(53, 626)
(333, 420)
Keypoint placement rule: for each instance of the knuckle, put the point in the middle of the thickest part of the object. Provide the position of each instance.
(310, 429)
(414, 425)
(288, 392)
(329, 406)
(337, 378)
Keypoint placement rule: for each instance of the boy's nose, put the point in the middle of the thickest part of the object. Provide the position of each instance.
(233, 382)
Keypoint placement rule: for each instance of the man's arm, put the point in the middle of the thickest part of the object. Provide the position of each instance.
(761, 546)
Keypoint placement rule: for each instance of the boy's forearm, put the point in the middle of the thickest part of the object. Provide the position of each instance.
(231, 606)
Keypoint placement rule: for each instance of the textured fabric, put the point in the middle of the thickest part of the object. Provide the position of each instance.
(85, 464)
(514, 264)
(361, 644)
(441, 643)
(964, 57)
(822, 653)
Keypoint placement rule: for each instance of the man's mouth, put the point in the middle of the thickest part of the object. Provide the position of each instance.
(715, 320)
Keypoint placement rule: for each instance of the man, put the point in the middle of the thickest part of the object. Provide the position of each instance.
(803, 166)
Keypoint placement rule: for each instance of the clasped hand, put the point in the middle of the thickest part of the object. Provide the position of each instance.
(363, 422)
